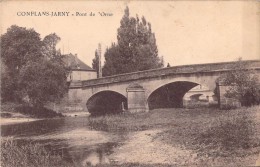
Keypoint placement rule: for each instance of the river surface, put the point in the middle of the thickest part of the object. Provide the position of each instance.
(70, 137)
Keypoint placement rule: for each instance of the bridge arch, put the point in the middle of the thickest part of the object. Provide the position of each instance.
(195, 97)
(169, 95)
(208, 81)
(106, 102)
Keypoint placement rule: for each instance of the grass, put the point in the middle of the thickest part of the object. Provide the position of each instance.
(222, 133)
(30, 155)
(120, 122)
(209, 132)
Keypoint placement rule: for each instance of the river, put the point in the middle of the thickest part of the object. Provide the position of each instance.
(70, 136)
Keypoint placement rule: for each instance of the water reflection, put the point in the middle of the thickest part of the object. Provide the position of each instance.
(69, 137)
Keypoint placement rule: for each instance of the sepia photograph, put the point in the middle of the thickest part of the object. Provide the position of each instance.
(127, 83)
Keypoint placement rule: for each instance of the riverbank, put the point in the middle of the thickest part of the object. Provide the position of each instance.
(161, 137)
(12, 113)
(8, 115)
(198, 137)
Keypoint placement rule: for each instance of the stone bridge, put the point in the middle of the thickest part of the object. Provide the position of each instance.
(157, 88)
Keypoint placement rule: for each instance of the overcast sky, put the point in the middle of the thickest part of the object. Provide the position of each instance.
(187, 32)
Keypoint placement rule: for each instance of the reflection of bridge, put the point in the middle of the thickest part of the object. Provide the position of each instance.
(144, 90)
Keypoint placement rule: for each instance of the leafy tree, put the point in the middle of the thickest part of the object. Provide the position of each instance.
(42, 81)
(49, 46)
(32, 68)
(136, 49)
(6, 84)
(49, 50)
(113, 61)
(18, 45)
(244, 84)
(95, 63)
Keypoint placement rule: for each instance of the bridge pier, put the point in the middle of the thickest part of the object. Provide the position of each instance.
(136, 101)
(224, 102)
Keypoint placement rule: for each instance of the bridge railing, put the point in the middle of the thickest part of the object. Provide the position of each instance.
(196, 68)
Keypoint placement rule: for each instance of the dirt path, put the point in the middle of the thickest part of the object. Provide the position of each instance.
(143, 148)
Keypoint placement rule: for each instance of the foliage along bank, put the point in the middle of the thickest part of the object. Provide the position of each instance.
(32, 69)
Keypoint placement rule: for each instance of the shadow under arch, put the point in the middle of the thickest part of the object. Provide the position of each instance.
(106, 102)
(170, 95)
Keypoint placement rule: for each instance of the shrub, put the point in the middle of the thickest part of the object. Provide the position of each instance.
(243, 84)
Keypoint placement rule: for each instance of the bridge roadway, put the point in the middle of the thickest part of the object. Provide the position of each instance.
(144, 90)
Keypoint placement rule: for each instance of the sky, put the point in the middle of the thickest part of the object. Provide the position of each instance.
(187, 32)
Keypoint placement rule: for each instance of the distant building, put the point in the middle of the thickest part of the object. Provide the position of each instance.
(78, 70)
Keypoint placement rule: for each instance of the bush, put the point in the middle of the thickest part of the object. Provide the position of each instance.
(243, 84)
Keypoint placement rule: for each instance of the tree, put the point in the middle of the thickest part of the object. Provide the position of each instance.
(49, 46)
(136, 49)
(6, 84)
(42, 81)
(244, 84)
(114, 63)
(32, 68)
(95, 63)
(18, 45)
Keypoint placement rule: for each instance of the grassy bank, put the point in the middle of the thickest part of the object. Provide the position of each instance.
(221, 138)
(121, 122)
(222, 133)
(31, 155)
(230, 136)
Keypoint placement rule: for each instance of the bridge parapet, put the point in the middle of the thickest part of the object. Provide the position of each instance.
(75, 84)
(186, 69)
